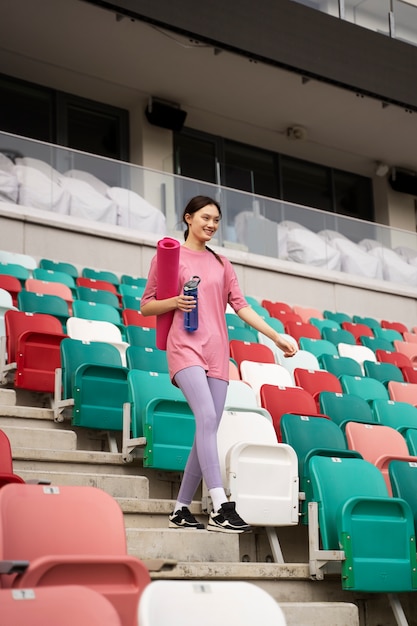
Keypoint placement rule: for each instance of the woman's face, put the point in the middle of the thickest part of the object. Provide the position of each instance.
(204, 223)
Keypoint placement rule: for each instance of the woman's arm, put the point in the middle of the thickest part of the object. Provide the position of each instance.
(251, 317)
(158, 307)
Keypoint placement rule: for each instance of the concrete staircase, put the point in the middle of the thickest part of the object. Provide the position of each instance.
(58, 453)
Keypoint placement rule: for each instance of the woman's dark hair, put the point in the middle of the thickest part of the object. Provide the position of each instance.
(194, 205)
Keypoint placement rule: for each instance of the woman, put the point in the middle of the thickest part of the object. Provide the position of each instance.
(199, 361)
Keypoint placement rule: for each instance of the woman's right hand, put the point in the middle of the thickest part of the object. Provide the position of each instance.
(185, 303)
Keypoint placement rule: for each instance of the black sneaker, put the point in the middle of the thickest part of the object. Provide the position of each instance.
(226, 520)
(184, 519)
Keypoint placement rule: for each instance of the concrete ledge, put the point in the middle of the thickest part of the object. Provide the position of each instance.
(40, 438)
(320, 613)
(236, 571)
(26, 411)
(7, 398)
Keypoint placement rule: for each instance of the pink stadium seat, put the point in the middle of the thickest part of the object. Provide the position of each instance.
(233, 371)
(409, 349)
(50, 288)
(65, 605)
(6, 463)
(379, 445)
(33, 345)
(410, 337)
(316, 381)
(279, 400)
(131, 317)
(306, 313)
(69, 535)
(403, 392)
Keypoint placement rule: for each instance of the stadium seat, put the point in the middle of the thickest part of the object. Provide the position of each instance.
(246, 351)
(148, 359)
(358, 330)
(280, 400)
(316, 381)
(159, 412)
(410, 337)
(323, 323)
(403, 392)
(98, 296)
(96, 330)
(240, 602)
(257, 374)
(302, 329)
(141, 336)
(306, 313)
(376, 343)
(63, 604)
(260, 474)
(367, 388)
(358, 353)
(310, 435)
(97, 311)
(384, 372)
(317, 346)
(131, 290)
(131, 317)
(301, 359)
(403, 478)
(398, 415)
(130, 302)
(247, 335)
(52, 276)
(7, 474)
(389, 334)
(241, 397)
(16, 258)
(6, 304)
(87, 548)
(12, 285)
(398, 359)
(16, 270)
(343, 407)
(373, 323)
(139, 281)
(338, 335)
(59, 266)
(32, 302)
(398, 326)
(339, 365)
(409, 349)
(91, 387)
(50, 289)
(354, 513)
(409, 374)
(276, 306)
(337, 316)
(233, 371)
(266, 341)
(101, 275)
(378, 444)
(32, 346)
(93, 283)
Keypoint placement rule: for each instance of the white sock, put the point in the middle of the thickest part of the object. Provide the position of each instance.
(179, 505)
(218, 497)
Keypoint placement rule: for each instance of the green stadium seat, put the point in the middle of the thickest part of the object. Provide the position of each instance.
(99, 312)
(384, 372)
(317, 346)
(338, 335)
(102, 275)
(337, 316)
(141, 336)
(98, 295)
(339, 365)
(147, 359)
(241, 333)
(367, 388)
(18, 271)
(398, 415)
(356, 514)
(343, 408)
(92, 386)
(159, 411)
(52, 276)
(368, 321)
(125, 279)
(59, 266)
(32, 302)
(377, 343)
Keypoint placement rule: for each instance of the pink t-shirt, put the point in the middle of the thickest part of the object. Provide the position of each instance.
(208, 346)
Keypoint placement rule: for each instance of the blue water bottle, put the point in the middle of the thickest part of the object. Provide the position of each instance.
(191, 317)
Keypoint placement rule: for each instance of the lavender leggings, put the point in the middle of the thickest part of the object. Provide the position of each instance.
(206, 397)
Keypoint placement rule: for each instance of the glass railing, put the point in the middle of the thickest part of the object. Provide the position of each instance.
(395, 18)
(51, 178)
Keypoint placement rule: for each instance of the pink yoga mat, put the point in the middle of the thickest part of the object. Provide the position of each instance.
(167, 258)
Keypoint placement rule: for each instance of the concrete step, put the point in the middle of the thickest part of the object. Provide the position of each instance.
(184, 545)
(320, 613)
(23, 436)
(116, 485)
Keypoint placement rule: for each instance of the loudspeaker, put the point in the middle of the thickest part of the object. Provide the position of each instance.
(165, 115)
(404, 181)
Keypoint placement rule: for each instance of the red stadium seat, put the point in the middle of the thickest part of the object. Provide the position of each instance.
(249, 351)
(396, 358)
(302, 329)
(33, 350)
(316, 381)
(398, 326)
(6, 463)
(12, 285)
(358, 330)
(131, 317)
